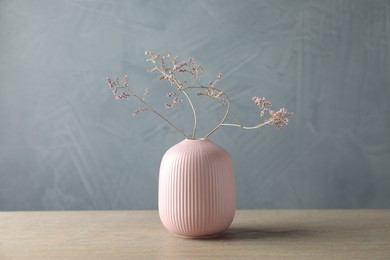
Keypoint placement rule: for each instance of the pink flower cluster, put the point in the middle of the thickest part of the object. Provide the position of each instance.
(279, 117)
(175, 101)
(169, 68)
(126, 93)
(212, 90)
(276, 118)
(262, 104)
(116, 85)
(138, 111)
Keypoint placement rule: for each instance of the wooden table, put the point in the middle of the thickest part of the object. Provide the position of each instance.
(300, 234)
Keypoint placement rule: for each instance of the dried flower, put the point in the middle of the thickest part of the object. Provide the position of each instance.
(171, 94)
(172, 70)
(138, 111)
(123, 96)
(279, 117)
(175, 101)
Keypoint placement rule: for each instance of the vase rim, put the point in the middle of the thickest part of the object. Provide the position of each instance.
(196, 139)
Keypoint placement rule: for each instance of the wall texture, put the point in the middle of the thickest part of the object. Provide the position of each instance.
(65, 143)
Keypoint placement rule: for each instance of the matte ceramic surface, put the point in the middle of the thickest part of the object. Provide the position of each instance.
(196, 189)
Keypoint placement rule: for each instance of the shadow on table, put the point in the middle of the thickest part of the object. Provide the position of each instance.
(254, 233)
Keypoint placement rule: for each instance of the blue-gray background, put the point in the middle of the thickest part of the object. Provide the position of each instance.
(65, 143)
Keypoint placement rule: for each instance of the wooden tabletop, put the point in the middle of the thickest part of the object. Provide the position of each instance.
(300, 234)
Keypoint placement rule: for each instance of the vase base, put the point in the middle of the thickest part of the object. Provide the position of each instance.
(199, 237)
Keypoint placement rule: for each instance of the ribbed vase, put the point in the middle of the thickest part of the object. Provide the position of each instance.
(197, 195)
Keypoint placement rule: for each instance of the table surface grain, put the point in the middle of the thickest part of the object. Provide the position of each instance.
(300, 234)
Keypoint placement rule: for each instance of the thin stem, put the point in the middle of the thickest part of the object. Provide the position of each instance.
(247, 127)
(222, 122)
(188, 99)
(219, 101)
(231, 112)
(157, 113)
(236, 117)
(194, 113)
(227, 110)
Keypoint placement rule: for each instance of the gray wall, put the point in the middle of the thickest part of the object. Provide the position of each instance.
(65, 143)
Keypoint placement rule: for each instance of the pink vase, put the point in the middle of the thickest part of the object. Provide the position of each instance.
(197, 195)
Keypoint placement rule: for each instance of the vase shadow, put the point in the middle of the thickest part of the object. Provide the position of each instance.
(265, 233)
